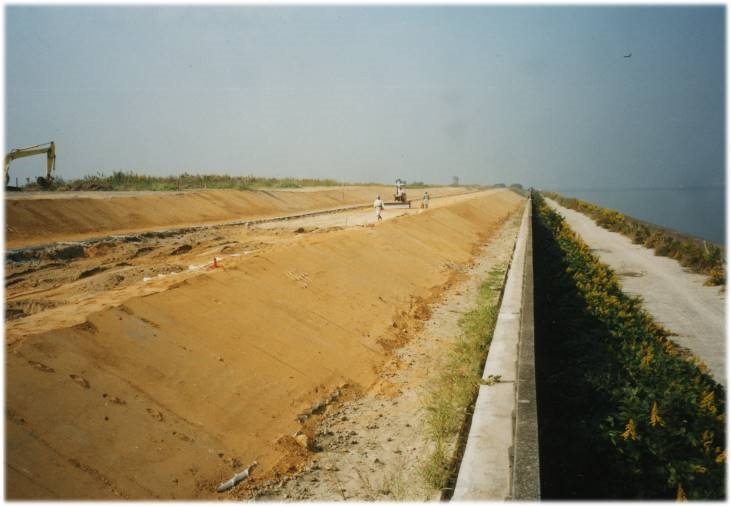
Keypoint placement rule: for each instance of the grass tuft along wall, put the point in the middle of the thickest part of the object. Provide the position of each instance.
(624, 413)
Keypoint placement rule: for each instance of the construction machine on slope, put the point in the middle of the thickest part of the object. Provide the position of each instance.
(399, 196)
(49, 149)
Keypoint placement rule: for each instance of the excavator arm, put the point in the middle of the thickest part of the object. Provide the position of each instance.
(49, 149)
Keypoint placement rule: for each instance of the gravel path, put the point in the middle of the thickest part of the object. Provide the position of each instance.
(676, 298)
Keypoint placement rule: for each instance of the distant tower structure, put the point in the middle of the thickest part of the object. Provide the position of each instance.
(455, 180)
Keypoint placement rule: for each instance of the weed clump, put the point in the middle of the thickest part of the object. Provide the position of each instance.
(130, 181)
(452, 395)
(624, 413)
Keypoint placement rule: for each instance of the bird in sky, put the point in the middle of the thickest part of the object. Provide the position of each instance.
(628, 55)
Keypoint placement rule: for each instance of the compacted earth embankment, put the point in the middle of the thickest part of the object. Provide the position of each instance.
(51, 217)
(169, 394)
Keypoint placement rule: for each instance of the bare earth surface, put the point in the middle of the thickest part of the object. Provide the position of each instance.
(42, 217)
(137, 369)
(676, 298)
(373, 447)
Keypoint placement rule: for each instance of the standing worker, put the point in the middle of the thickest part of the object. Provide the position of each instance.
(425, 201)
(378, 204)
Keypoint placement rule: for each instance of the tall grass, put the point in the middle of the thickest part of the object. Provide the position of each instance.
(451, 395)
(130, 181)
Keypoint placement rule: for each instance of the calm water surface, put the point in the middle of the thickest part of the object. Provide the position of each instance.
(695, 211)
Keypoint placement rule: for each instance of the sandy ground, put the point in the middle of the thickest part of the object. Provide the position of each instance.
(63, 285)
(676, 298)
(373, 447)
(42, 218)
(135, 370)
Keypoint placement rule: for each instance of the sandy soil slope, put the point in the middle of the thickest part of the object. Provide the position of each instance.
(375, 447)
(179, 381)
(44, 218)
(61, 285)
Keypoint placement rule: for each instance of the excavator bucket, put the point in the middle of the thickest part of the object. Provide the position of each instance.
(44, 182)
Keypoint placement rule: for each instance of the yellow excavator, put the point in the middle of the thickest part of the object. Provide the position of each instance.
(48, 148)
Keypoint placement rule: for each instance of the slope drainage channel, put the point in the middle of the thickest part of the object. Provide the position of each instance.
(500, 460)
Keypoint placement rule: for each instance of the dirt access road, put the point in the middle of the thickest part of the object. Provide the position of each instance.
(676, 298)
(42, 218)
(135, 370)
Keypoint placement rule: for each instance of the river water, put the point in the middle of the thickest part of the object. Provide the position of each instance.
(695, 211)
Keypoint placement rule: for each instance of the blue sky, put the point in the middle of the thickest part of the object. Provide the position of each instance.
(537, 95)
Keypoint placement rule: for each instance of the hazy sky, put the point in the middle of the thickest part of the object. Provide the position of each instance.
(537, 95)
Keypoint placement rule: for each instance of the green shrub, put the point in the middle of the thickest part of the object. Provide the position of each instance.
(635, 415)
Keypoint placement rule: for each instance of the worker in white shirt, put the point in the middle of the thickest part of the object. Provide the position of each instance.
(378, 204)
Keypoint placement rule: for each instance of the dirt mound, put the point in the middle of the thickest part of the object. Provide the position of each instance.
(170, 394)
(52, 218)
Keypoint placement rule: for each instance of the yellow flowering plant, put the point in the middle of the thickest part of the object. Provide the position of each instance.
(696, 254)
(625, 412)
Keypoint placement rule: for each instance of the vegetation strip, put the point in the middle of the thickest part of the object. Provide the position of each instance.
(451, 398)
(623, 411)
(698, 255)
(130, 181)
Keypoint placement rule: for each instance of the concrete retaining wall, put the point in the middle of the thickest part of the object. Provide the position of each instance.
(501, 456)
